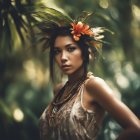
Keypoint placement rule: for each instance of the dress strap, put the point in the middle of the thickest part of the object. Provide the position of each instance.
(81, 92)
(89, 74)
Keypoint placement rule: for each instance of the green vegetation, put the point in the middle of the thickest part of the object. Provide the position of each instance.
(25, 87)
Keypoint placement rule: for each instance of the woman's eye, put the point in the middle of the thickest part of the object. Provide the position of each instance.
(56, 51)
(71, 49)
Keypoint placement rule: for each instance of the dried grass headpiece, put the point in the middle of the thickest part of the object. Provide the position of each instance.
(79, 29)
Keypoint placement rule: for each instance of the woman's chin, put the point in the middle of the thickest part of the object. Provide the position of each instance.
(67, 72)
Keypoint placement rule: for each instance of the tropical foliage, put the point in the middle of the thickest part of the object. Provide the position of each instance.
(25, 87)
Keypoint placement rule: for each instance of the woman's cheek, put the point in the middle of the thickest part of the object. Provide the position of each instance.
(57, 60)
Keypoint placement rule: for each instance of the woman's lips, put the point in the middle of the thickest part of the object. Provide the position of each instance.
(65, 67)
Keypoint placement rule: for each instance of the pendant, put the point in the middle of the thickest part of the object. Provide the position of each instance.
(54, 110)
(52, 117)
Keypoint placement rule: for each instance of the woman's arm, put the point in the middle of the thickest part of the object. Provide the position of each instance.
(120, 112)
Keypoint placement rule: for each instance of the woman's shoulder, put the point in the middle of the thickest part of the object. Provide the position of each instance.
(100, 90)
(94, 81)
(97, 85)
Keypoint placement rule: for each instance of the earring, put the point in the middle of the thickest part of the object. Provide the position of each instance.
(91, 54)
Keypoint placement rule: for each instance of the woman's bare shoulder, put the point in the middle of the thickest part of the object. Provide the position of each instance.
(98, 86)
(93, 82)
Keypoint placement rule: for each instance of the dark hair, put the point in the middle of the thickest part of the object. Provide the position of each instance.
(65, 31)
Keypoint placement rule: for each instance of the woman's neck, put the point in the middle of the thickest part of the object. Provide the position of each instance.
(76, 75)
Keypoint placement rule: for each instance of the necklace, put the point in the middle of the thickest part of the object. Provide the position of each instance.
(74, 86)
(72, 89)
(56, 104)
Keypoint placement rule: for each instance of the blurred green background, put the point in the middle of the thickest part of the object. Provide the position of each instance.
(25, 87)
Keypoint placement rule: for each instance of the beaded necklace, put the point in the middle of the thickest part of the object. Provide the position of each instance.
(57, 103)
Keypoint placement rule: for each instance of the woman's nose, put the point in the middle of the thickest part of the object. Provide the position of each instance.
(64, 56)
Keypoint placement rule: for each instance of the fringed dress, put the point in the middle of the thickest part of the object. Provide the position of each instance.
(71, 122)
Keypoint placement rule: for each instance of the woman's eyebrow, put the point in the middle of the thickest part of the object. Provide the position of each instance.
(70, 44)
(57, 47)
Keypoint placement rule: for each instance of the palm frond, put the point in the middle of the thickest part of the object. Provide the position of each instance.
(25, 16)
(84, 16)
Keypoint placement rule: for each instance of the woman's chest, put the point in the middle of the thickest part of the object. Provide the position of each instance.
(72, 112)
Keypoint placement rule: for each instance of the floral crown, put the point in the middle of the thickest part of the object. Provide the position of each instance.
(78, 28)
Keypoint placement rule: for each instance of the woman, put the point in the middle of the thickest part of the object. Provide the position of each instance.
(77, 110)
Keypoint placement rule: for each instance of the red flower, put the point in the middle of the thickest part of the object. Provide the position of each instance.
(80, 29)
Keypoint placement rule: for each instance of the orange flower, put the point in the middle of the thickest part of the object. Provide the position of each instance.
(80, 29)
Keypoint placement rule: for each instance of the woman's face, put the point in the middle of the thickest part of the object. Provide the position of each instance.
(68, 55)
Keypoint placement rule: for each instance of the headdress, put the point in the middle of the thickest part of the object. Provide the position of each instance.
(78, 28)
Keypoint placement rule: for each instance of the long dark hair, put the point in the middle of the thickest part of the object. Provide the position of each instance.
(65, 31)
